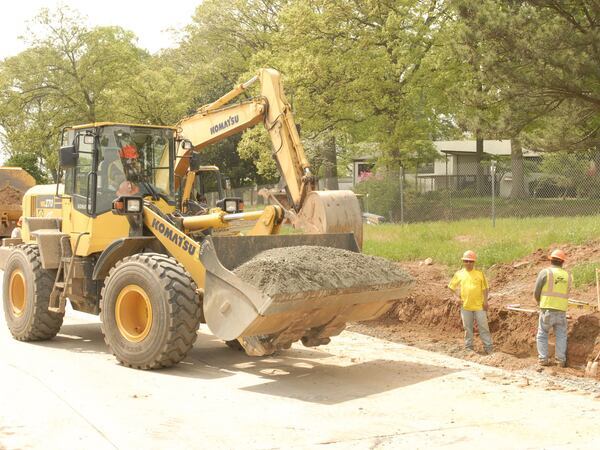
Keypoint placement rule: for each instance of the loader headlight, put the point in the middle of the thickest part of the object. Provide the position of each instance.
(134, 205)
(127, 205)
(230, 206)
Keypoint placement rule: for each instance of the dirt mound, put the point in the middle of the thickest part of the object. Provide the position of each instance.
(429, 318)
(290, 270)
(9, 196)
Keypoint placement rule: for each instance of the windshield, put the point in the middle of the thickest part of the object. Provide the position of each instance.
(134, 161)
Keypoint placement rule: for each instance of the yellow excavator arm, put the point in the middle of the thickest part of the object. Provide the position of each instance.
(219, 119)
(311, 210)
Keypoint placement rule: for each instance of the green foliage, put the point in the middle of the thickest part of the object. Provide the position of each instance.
(393, 73)
(584, 273)
(379, 196)
(68, 75)
(29, 162)
(545, 52)
(354, 67)
(255, 146)
(570, 172)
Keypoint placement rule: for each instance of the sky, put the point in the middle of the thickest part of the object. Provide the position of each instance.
(150, 21)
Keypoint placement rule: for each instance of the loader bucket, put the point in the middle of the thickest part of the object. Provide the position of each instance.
(234, 309)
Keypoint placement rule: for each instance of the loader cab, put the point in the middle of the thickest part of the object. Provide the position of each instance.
(110, 160)
(103, 161)
(206, 192)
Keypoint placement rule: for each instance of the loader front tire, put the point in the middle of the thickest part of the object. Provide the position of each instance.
(26, 293)
(150, 311)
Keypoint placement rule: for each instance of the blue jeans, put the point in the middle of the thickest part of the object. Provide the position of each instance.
(557, 320)
(468, 317)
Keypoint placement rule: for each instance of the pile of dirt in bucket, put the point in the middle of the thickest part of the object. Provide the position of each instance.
(289, 270)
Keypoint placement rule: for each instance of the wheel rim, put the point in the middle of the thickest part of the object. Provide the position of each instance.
(17, 293)
(133, 313)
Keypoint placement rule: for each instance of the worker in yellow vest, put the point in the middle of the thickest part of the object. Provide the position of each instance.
(470, 289)
(552, 290)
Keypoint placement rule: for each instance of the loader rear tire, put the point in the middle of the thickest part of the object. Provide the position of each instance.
(150, 311)
(26, 292)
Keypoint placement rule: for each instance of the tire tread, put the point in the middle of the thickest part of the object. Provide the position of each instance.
(183, 306)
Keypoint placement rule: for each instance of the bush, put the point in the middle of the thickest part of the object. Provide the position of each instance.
(380, 196)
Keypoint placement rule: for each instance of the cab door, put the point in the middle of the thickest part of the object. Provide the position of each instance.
(79, 192)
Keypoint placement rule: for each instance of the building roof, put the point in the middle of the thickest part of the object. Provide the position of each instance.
(459, 147)
(490, 147)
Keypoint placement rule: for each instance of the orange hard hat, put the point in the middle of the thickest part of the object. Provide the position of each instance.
(558, 254)
(469, 255)
(128, 152)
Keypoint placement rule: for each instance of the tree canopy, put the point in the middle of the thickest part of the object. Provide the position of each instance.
(390, 74)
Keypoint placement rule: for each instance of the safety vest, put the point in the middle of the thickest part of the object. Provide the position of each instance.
(555, 293)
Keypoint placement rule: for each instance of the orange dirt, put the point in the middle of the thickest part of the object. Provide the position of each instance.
(429, 318)
(9, 196)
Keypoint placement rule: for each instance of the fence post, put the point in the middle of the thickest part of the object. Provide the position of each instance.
(493, 172)
(401, 194)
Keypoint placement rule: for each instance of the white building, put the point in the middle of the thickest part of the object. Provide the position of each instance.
(455, 167)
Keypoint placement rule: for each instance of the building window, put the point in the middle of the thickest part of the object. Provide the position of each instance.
(428, 167)
(364, 170)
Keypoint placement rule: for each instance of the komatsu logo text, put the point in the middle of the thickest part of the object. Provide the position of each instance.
(174, 237)
(232, 120)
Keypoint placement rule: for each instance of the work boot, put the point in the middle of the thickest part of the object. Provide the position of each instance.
(560, 363)
(543, 362)
(489, 350)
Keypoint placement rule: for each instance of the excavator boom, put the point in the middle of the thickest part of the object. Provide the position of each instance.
(312, 210)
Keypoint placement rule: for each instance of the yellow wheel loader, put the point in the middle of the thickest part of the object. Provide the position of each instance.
(127, 236)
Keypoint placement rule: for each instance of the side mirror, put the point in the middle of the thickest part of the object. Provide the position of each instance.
(68, 157)
(187, 144)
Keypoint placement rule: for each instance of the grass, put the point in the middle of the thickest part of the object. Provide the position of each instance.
(584, 273)
(511, 239)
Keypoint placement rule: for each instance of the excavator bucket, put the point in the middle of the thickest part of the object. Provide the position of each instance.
(263, 322)
(331, 212)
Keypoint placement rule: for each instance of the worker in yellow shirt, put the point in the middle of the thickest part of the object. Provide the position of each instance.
(471, 289)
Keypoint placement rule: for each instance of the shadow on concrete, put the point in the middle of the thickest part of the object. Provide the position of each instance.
(301, 373)
(81, 338)
(306, 374)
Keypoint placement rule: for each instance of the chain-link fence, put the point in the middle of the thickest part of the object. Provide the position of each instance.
(490, 190)
(557, 185)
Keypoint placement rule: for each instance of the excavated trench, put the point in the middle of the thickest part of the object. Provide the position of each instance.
(430, 319)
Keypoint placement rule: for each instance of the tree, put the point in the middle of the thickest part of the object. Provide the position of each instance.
(354, 68)
(68, 75)
(157, 95)
(215, 54)
(544, 56)
(30, 162)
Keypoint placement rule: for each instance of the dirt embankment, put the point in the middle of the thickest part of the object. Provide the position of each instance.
(430, 318)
